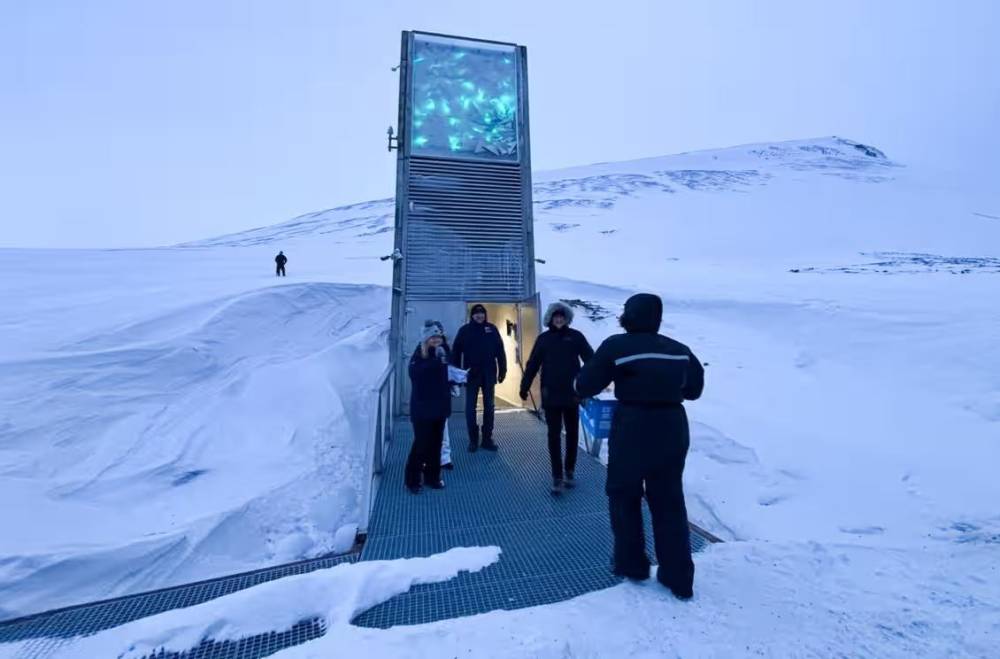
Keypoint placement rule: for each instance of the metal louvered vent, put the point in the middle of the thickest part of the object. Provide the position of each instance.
(465, 231)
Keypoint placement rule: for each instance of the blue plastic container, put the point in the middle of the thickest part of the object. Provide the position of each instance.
(596, 415)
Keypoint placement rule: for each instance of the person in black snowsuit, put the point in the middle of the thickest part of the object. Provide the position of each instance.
(558, 353)
(479, 348)
(280, 260)
(649, 440)
(430, 407)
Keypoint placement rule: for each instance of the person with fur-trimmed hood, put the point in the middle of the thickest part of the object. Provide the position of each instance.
(648, 445)
(558, 353)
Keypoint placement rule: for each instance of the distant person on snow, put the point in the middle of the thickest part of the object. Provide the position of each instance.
(280, 260)
(479, 349)
(649, 441)
(558, 352)
(430, 407)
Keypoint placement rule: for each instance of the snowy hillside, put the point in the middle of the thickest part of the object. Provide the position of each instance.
(178, 413)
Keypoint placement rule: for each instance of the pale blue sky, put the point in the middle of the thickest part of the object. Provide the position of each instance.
(136, 123)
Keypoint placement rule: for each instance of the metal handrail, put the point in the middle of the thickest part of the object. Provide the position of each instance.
(382, 427)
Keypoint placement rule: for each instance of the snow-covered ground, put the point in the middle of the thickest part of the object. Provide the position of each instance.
(176, 413)
(799, 599)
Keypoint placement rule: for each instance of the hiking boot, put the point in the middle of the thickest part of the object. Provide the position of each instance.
(489, 445)
(473, 446)
(569, 482)
(557, 486)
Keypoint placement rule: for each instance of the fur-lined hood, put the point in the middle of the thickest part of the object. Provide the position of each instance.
(566, 310)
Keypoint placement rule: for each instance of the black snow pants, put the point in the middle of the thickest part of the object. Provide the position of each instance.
(555, 417)
(646, 454)
(279, 271)
(472, 389)
(425, 454)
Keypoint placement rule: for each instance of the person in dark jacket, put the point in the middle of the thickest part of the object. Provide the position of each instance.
(446, 462)
(280, 260)
(653, 375)
(430, 407)
(479, 349)
(558, 353)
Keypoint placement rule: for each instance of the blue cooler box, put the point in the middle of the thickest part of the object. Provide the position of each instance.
(596, 415)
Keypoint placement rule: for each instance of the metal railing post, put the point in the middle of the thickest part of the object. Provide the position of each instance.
(380, 431)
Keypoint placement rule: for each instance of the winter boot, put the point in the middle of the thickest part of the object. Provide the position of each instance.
(682, 595)
(474, 441)
(436, 486)
(448, 466)
(632, 573)
(680, 592)
(557, 486)
(569, 482)
(489, 444)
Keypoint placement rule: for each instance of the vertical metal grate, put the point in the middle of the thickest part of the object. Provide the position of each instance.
(465, 231)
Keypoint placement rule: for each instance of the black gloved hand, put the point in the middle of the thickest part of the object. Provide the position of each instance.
(502, 377)
(524, 394)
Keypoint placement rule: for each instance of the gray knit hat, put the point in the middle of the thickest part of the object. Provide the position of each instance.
(431, 329)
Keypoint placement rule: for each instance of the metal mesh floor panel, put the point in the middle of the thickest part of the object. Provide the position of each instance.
(43, 633)
(554, 547)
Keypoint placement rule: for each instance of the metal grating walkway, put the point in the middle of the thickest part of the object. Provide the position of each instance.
(44, 633)
(554, 548)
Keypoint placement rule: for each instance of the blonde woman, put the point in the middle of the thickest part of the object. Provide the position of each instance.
(430, 407)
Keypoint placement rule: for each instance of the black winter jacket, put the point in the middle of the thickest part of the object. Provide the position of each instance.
(558, 353)
(653, 374)
(431, 395)
(646, 367)
(479, 348)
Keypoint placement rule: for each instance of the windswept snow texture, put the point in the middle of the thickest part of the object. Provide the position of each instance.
(178, 413)
(164, 423)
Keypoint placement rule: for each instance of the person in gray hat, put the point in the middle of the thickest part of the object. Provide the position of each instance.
(430, 407)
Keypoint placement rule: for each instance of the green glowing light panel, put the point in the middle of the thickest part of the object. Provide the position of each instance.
(464, 99)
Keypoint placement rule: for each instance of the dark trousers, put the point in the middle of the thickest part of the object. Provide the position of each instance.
(279, 271)
(646, 453)
(664, 493)
(472, 389)
(555, 417)
(425, 454)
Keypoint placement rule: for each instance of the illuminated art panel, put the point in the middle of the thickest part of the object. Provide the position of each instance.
(464, 99)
